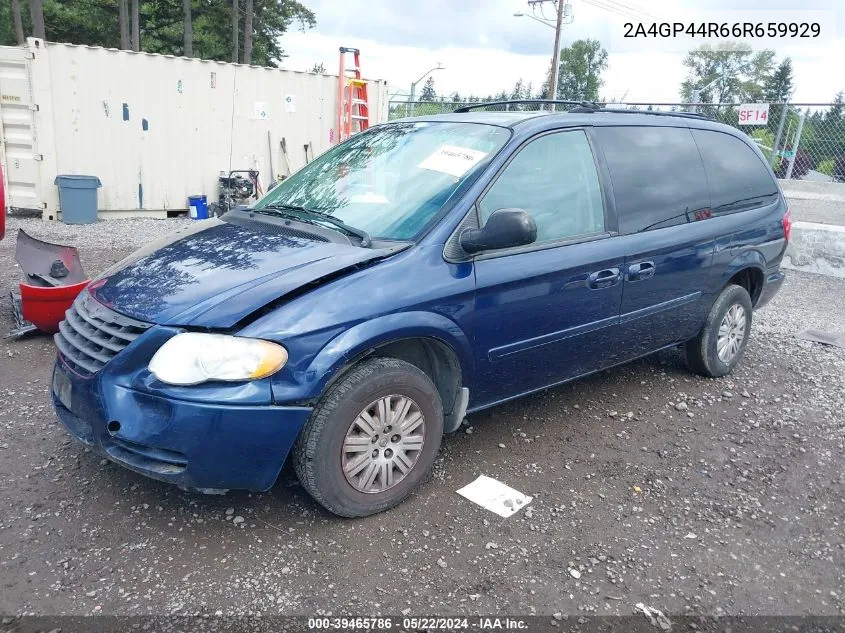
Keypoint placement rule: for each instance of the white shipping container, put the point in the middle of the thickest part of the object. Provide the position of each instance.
(154, 129)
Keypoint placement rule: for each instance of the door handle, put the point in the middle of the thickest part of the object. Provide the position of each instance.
(640, 271)
(604, 278)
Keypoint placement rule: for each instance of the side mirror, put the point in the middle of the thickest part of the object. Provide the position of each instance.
(505, 228)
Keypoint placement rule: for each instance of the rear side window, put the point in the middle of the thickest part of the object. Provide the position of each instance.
(658, 179)
(738, 179)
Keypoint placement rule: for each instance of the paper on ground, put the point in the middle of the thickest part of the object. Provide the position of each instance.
(495, 496)
(827, 338)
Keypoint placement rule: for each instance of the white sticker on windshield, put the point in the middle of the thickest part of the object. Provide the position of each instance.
(368, 197)
(452, 160)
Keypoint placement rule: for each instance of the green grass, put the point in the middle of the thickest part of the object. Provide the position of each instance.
(826, 167)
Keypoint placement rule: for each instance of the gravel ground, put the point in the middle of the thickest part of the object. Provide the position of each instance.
(122, 234)
(650, 485)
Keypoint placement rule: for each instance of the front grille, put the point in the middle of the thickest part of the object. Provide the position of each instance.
(92, 334)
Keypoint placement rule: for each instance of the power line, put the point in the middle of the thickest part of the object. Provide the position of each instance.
(632, 7)
(542, 4)
(627, 13)
(625, 9)
(610, 8)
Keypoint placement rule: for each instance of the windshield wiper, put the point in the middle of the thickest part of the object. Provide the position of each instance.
(317, 216)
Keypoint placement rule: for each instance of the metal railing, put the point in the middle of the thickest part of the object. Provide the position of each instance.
(803, 141)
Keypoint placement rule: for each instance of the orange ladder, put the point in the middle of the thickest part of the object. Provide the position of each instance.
(353, 105)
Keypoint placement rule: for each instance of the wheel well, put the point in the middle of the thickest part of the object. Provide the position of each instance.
(752, 280)
(434, 358)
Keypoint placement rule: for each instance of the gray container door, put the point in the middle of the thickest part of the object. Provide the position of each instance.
(18, 150)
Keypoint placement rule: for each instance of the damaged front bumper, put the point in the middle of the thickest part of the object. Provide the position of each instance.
(53, 278)
(197, 445)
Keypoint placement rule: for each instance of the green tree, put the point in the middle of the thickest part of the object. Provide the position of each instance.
(236, 31)
(188, 39)
(87, 22)
(778, 88)
(36, 12)
(270, 20)
(135, 20)
(735, 73)
(579, 73)
(518, 91)
(162, 26)
(761, 67)
(836, 114)
(428, 92)
(249, 16)
(17, 20)
(123, 22)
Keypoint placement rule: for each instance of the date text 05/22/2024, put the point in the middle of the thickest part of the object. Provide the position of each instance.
(411, 623)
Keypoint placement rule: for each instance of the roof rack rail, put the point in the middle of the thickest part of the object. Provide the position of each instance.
(595, 108)
(582, 107)
(485, 104)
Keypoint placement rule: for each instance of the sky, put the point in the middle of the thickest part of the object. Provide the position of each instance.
(484, 48)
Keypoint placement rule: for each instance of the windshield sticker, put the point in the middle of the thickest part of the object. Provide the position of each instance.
(452, 160)
(369, 197)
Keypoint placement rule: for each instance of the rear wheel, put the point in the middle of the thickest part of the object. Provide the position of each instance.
(721, 343)
(372, 438)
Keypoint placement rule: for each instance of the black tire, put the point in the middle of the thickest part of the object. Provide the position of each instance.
(318, 452)
(701, 352)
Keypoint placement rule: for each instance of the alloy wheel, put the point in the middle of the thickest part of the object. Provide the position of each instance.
(383, 444)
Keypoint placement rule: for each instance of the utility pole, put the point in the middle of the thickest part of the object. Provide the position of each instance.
(556, 54)
(564, 16)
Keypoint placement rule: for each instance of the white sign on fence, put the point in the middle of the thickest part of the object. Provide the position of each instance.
(754, 114)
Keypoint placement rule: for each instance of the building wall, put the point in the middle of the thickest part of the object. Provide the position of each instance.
(157, 128)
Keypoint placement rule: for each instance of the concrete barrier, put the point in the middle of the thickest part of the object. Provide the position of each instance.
(817, 242)
(816, 248)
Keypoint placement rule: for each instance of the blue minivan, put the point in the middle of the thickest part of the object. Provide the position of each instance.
(422, 270)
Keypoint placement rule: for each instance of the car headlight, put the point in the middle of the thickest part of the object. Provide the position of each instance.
(193, 357)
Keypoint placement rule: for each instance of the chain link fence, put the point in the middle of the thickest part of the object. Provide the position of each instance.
(803, 141)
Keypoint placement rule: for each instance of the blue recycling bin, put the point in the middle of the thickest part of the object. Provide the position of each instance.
(198, 207)
(78, 198)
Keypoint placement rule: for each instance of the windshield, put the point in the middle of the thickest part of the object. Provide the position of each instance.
(391, 180)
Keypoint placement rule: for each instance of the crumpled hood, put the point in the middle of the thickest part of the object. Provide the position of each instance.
(217, 273)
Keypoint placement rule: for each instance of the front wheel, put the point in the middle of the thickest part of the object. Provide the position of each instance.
(721, 343)
(371, 439)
